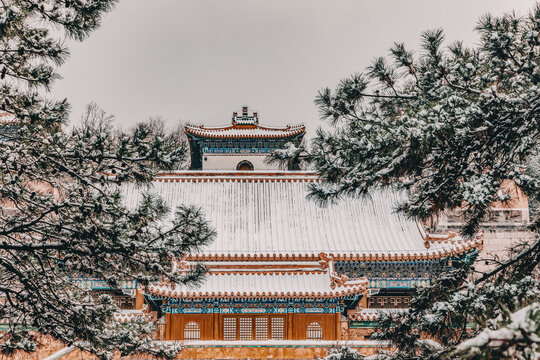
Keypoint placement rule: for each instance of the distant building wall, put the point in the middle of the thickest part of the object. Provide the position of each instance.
(277, 351)
(498, 241)
(230, 162)
(503, 228)
(47, 347)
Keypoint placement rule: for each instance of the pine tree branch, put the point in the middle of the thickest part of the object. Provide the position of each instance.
(396, 96)
(535, 248)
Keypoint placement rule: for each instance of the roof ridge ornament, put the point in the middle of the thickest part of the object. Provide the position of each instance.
(245, 119)
(245, 126)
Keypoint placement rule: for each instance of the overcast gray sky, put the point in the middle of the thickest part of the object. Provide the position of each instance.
(200, 60)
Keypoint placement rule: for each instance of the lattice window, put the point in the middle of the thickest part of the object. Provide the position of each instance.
(278, 328)
(229, 328)
(389, 302)
(261, 328)
(192, 331)
(246, 328)
(314, 331)
(403, 302)
(122, 301)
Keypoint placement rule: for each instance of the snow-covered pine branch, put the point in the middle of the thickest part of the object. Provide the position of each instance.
(61, 214)
(450, 124)
(453, 121)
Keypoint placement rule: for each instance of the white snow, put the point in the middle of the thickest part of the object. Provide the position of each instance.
(235, 132)
(6, 118)
(521, 326)
(268, 214)
(250, 284)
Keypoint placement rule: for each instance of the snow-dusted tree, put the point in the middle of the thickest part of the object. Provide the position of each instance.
(343, 353)
(346, 353)
(176, 134)
(61, 212)
(452, 316)
(449, 124)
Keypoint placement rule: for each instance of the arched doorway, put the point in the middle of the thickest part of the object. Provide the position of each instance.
(244, 165)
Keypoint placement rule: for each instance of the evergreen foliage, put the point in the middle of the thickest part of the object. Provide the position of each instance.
(451, 313)
(62, 215)
(343, 353)
(450, 125)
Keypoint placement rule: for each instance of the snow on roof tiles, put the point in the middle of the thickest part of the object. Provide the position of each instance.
(123, 316)
(240, 131)
(266, 215)
(289, 284)
(7, 118)
(373, 314)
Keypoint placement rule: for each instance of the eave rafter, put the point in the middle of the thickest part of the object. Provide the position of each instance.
(245, 132)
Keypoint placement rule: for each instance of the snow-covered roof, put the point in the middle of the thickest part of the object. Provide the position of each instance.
(266, 216)
(7, 118)
(373, 314)
(245, 131)
(144, 314)
(245, 125)
(268, 284)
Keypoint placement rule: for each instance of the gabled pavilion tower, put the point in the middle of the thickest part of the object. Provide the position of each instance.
(243, 145)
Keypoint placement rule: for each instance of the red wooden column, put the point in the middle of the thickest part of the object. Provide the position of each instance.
(289, 320)
(338, 325)
(216, 326)
(168, 319)
(363, 302)
(139, 299)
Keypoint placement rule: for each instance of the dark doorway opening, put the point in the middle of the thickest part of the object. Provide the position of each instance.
(244, 165)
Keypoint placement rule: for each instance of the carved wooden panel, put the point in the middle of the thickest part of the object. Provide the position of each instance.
(253, 327)
(181, 325)
(327, 322)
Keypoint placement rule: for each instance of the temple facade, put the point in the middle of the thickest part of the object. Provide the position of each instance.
(243, 145)
(286, 277)
(281, 263)
(505, 226)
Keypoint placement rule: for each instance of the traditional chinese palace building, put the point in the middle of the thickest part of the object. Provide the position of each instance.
(287, 277)
(243, 145)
